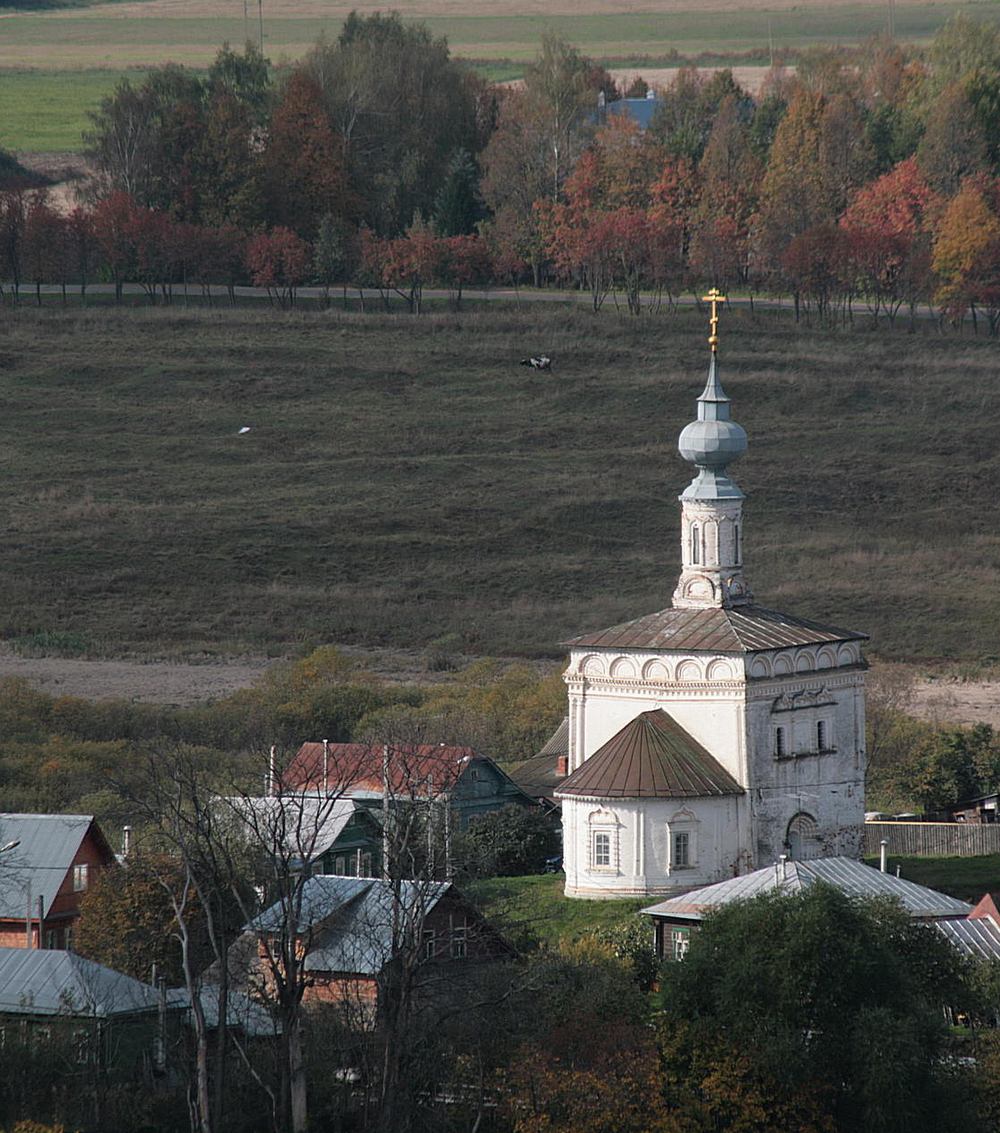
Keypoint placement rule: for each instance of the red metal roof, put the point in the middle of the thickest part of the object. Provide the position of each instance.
(415, 770)
(651, 757)
(748, 629)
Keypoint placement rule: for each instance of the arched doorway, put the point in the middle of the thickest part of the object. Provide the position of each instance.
(803, 837)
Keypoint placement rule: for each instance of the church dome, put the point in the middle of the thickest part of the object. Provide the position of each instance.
(712, 444)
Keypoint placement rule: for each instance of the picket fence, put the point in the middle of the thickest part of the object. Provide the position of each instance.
(932, 839)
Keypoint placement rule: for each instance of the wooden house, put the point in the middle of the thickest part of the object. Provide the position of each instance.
(357, 933)
(49, 861)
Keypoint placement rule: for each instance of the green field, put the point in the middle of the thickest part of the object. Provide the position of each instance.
(56, 65)
(965, 878)
(405, 478)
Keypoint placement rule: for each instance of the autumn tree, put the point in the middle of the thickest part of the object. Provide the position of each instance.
(954, 145)
(279, 261)
(966, 256)
(45, 248)
(303, 162)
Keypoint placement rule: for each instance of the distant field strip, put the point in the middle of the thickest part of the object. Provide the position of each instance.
(74, 40)
(55, 66)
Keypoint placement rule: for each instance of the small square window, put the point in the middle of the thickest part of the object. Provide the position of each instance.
(80, 873)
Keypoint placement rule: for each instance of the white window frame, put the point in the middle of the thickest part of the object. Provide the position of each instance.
(429, 943)
(459, 937)
(601, 849)
(81, 877)
(680, 942)
(679, 839)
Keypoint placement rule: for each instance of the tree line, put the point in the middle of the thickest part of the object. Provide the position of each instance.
(865, 179)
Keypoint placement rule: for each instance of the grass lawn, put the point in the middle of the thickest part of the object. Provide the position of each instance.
(46, 111)
(965, 878)
(405, 478)
(533, 909)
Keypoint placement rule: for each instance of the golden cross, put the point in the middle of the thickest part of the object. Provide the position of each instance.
(715, 297)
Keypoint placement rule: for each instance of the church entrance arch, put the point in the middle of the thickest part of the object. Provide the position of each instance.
(803, 837)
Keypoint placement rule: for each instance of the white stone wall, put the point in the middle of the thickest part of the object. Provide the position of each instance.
(705, 694)
(807, 687)
(641, 840)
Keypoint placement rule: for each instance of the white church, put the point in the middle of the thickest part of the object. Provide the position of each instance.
(710, 738)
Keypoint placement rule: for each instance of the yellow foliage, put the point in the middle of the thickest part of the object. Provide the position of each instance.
(967, 232)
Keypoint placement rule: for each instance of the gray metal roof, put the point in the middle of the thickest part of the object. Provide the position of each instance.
(747, 629)
(651, 757)
(307, 825)
(978, 937)
(558, 742)
(851, 877)
(241, 1011)
(49, 982)
(38, 866)
(351, 919)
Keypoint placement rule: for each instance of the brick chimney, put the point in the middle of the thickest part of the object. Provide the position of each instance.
(562, 765)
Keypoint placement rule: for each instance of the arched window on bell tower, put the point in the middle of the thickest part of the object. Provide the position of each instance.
(695, 543)
(737, 556)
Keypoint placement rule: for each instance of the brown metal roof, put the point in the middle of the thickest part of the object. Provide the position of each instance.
(748, 629)
(651, 757)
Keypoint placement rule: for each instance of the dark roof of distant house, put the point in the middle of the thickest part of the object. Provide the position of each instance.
(651, 757)
(853, 878)
(640, 110)
(39, 864)
(745, 629)
(414, 770)
(539, 776)
(49, 982)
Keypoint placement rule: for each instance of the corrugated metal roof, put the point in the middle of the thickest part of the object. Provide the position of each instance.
(48, 845)
(241, 1011)
(352, 919)
(651, 757)
(851, 877)
(306, 825)
(48, 982)
(747, 629)
(539, 776)
(558, 742)
(978, 938)
(418, 769)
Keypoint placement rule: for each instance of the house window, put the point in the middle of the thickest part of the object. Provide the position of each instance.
(682, 850)
(821, 735)
(340, 865)
(429, 944)
(366, 865)
(695, 543)
(602, 850)
(80, 877)
(81, 1042)
(779, 742)
(680, 941)
(458, 938)
(736, 543)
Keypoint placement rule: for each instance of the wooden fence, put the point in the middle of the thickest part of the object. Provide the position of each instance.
(932, 839)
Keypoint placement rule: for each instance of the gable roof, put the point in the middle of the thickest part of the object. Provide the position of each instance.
(539, 776)
(853, 878)
(746, 629)
(651, 757)
(307, 824)
(975, 937)
(39, 864)
(50, 982)
(351, 919)
(356, 769)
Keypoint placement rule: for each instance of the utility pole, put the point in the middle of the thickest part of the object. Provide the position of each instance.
(260, 18)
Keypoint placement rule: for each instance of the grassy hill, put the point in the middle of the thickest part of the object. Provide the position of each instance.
(405, 479)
